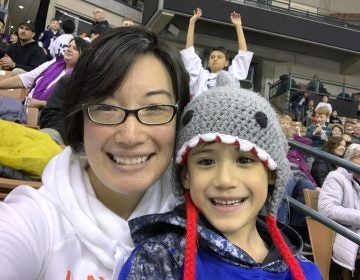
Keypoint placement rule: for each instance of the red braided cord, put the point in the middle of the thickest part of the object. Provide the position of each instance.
(190, 247)
(279, 241)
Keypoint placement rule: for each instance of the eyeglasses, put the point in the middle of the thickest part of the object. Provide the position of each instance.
(111, 115)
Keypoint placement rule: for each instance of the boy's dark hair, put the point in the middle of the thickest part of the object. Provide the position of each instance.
(221, 49)
(2, 21)
(332, 144)
(104, 65)
(68, 26)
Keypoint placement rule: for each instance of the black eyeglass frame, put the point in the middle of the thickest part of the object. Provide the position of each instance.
(135, 112)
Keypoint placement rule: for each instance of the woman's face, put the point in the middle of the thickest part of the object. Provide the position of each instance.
(129, 157)
(71, 54)
(336, 131)
(340, 150)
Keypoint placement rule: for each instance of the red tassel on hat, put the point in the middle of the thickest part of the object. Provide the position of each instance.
(191, 239)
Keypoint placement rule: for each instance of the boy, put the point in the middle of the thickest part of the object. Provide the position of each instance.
(49, 35)
(320, 132)
(202, 79)
(231, 161)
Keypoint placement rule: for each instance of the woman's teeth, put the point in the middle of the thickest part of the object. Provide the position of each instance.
(129, 161)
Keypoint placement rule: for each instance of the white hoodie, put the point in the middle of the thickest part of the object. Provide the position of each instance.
(61, 231)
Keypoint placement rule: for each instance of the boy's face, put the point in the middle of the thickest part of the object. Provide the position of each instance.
(321, 118)
(217, 61)
(228, 186)
(54, 25)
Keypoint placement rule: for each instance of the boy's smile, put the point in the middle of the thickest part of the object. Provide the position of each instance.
(228, 186)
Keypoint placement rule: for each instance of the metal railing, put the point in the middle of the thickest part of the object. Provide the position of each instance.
(312, 213)
(303, 11)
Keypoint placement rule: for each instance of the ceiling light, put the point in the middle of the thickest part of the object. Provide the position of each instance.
(21, 7)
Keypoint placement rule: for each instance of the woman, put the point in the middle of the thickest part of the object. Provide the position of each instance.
(321, 167)
(42, 79)
(339, 200)
(337, 130)
(120, 122)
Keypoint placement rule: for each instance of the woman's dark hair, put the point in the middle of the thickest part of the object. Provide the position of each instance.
(80, 43)
(339, 127)
(102, 68)
(332, 144)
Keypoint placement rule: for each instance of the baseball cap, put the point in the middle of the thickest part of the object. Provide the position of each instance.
(29, 24)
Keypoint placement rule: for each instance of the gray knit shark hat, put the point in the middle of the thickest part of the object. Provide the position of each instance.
(236, 116)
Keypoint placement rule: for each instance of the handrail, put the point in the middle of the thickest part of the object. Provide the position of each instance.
(324, 220)
(312, 213)
(324, 155)
(287, 8)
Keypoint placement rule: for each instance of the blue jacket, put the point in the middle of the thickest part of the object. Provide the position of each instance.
(160, 245)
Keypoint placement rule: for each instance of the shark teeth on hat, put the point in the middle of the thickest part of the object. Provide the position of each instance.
(243, 145)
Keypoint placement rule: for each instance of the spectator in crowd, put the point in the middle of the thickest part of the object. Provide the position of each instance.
(334, 119)
(58, 46)
(309, 113)
(337, 130)
(49, 35)
(325, 102)
(317, 86)
(100, 24)
(14, 37)
(225, 174)
(300, 179)
(203, 79)
(356, 133)
(339, 200)
(42, 79)
(51, 117)
(127, 22)
(116, 168)
(336, 145)
(4, 38)
(314, 84)
(25, 55)
(347, 138)
(320, 132)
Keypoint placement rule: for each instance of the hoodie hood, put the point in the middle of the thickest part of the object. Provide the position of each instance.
(103, 233)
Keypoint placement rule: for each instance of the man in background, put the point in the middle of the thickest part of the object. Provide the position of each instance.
(26, 54)
(100, 25)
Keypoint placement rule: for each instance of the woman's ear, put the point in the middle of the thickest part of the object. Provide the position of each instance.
(227, 63)
(185, 177)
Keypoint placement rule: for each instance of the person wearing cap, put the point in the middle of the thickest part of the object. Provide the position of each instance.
(230, 162)
(339, 200)
(26, 54)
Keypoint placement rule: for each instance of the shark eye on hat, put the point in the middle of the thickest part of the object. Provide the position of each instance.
(187, 117)
(261, 119)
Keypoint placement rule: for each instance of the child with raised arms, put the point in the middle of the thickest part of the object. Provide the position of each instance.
(230, 163)
(202, 79)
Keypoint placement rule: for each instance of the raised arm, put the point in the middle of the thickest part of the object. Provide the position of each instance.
(236, 21)
(191, 28)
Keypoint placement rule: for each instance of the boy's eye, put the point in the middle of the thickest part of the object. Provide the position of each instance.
(245, 160)
(205, 161)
